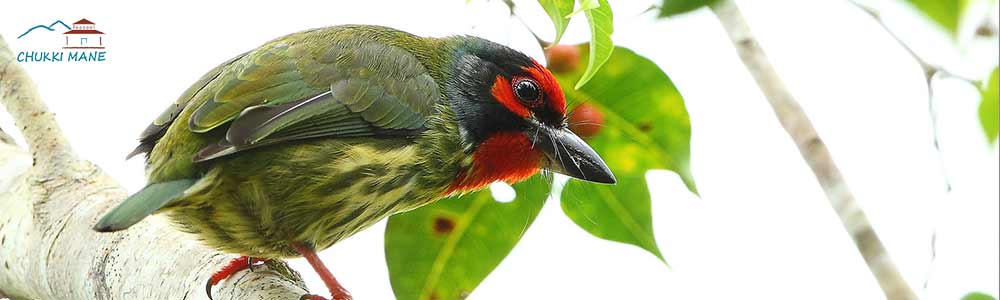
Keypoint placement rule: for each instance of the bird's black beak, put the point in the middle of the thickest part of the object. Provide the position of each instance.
(567, 154)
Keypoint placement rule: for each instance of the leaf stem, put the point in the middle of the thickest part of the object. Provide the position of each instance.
(511, 8)
(930, 69)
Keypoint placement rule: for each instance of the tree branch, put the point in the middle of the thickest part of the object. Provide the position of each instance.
(47, 207)
(45, 140)
(814, 151)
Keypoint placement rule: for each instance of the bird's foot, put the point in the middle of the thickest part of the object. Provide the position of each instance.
(237, 264)
(337, 291)
(341, 294)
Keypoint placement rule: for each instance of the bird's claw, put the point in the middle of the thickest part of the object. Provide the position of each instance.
(235, 265)
(208, 289)
(341, 296)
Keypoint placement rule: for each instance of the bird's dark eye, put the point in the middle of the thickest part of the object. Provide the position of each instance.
(527, 90)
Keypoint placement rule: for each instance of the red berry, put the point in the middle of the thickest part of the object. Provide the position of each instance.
(563, 58)
(586, 120)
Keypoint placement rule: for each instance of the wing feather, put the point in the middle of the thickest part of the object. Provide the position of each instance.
(321, 83)
(371, 89)
(158, 127)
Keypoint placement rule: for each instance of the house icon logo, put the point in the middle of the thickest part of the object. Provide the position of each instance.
(80, 43)
(84, 35)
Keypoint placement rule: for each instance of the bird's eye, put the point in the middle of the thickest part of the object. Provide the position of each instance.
(527, 90)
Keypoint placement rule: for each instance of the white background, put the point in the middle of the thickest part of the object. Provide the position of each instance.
(762, 228)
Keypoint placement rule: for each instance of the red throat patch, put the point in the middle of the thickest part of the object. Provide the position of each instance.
(506, 156)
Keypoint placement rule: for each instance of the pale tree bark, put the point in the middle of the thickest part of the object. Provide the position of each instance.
(49, 199)
(814, 152)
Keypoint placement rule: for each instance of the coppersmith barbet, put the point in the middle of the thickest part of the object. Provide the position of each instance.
(291, 147)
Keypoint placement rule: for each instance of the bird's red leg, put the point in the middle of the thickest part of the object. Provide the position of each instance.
(337, 291)
(237, 264)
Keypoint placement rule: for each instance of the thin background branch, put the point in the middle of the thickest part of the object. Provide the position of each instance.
(814, 152)
(931, 73)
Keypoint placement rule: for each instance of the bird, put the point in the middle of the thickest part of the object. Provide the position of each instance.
(291, 147)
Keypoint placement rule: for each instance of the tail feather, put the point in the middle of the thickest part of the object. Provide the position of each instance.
(142, 204)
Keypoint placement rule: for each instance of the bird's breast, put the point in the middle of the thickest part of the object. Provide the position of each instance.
(504, 156)
(259, 202)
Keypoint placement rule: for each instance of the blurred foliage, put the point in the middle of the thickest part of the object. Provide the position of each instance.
(989, 108)
(676, 7)
(559, 11)
(978, 296)
(947, 13)
(442, 251)
(645, 126)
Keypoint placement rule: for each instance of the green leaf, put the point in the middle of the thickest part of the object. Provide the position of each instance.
(947, 13)
(601, 27)
(442, 251)
(584, 6)
(978, 296)
(989, 108)
(646, 126)
(676, 7)
(558, 11)
(620, 213)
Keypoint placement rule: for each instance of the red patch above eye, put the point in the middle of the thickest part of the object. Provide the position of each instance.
(502, 92)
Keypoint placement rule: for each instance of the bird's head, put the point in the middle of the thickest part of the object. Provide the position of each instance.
(511, 116)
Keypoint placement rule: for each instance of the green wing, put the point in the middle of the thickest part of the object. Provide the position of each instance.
(155, 130)
(289, 91)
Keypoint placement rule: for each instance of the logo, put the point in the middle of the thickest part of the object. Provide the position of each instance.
(80, 43)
